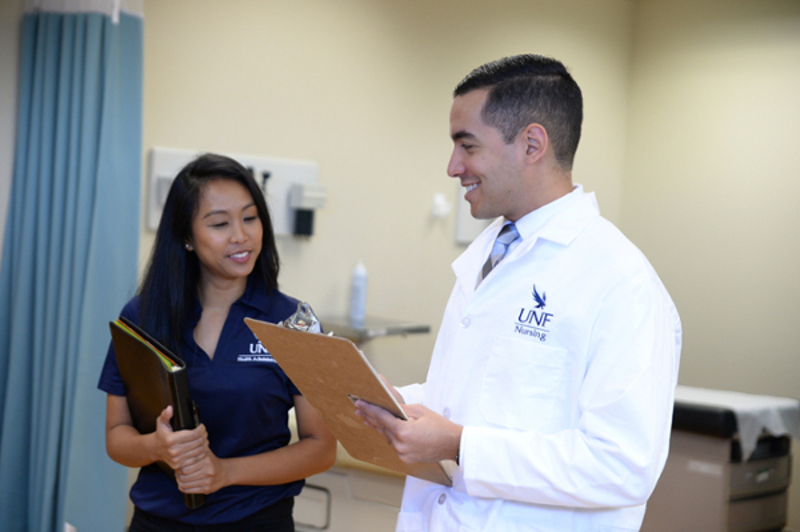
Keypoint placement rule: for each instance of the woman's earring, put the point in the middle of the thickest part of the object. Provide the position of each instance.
(188, 247)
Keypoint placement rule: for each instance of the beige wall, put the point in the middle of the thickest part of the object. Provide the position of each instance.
(364, 89)
(712, 185)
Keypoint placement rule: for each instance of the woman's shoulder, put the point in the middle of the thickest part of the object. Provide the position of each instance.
(281, 305)
(131, 309)
(273, 305)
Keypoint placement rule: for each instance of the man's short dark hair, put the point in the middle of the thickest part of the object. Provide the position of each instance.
(527, 89)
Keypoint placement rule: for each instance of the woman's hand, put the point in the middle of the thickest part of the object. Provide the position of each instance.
(178, 449)
(129, 447)
(314, 453)
(207, 475)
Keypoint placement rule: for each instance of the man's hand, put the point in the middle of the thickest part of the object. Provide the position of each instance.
(425, 437)
(393, 390)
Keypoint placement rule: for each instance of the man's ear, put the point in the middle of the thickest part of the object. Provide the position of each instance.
(536, 141)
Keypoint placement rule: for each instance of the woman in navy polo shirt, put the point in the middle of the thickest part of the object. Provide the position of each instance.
(215, 263)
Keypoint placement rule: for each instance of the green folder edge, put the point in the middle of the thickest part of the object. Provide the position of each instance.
(168, 362)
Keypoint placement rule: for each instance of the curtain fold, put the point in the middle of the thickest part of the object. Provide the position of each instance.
(69, 264)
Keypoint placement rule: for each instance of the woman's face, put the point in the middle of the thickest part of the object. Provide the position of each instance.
(226, 232)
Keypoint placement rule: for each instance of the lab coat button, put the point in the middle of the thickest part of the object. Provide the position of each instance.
(466, 322)
(446, 412)
(442, 498)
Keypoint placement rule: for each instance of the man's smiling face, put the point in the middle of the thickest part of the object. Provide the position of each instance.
(488, 168)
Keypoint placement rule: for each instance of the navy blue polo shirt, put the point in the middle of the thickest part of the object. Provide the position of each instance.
(243, 398)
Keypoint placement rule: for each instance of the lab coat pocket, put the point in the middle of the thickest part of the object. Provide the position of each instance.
(522, 383)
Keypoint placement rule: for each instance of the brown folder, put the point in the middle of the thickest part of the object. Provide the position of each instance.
(154, 378)
(331, 373)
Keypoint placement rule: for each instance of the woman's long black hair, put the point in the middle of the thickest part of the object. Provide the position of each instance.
(168, 290)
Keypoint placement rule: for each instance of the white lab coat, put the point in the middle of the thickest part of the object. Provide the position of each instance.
(566, 407)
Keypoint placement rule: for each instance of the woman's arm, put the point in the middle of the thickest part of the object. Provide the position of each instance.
(129, 447)
(313, 453)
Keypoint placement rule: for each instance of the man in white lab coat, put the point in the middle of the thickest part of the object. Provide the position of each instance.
(552, 380)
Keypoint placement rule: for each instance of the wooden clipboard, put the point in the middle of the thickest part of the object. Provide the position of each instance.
(331, 373)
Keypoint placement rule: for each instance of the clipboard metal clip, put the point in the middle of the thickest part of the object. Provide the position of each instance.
(303, 319)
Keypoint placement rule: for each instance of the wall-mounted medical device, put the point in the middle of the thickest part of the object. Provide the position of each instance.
(304, 199)
(290, 187)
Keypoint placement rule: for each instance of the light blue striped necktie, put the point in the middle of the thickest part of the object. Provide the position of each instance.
(507, 235)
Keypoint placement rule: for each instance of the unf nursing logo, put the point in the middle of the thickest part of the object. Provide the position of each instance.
(540, 299)
(534, 321)
(258, 353)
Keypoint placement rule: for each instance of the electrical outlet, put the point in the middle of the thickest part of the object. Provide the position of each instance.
(274, 176)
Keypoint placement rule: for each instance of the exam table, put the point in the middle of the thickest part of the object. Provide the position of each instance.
(729, 466)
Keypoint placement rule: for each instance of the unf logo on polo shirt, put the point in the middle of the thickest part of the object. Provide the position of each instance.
(533, 321)
(258, 353)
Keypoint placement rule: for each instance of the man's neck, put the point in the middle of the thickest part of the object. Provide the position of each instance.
(547, 189)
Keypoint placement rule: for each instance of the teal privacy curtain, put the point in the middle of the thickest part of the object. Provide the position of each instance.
(69, 261)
